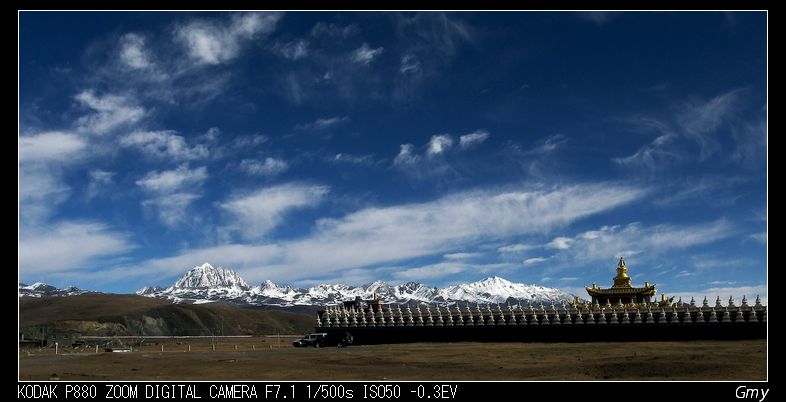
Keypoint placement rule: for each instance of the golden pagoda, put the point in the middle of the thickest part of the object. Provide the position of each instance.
(622, 291)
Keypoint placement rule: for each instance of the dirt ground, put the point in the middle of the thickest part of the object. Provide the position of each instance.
(262, 358)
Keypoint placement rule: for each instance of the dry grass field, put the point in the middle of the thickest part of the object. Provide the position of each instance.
(262, 358)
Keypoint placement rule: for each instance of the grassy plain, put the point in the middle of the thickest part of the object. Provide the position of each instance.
(265, 358)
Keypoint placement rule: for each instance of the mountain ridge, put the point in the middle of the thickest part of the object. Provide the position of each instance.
(227, 286)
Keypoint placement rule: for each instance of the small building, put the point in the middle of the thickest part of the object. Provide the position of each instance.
(622, 291)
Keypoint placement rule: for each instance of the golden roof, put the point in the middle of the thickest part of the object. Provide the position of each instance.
(622, 284)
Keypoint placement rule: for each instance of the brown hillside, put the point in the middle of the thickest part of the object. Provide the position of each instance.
(105, 314)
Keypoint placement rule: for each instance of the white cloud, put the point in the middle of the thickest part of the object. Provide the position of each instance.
(172, 192)
(169, 181)
(109, 112)
(270, 167)
(534, 260)
(406, 156)
(42, 158)
(41, 189)
(99, 179)
(323, 123)
(50, 147)
(759, 237)
(353, 159)
(133, 53)
(548, 145)
(172, 208)
(698, 122)
(653, 154)
(410, 65)
(164, 144)
(560, 243)
(439, 270)
(334, 30)
(294, 50)
(249, 141)
(461, 256)
(261, 211)
(701, 117)
(716, 283)
(243, 258)
(433, 34)
(516, 248)
(68, 245)
(365, 55)
(439, 144)
(472, 139)
(636, 239)
(219, 42)
(385, 235)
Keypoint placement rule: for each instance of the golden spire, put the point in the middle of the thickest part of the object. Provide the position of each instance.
(622, 280)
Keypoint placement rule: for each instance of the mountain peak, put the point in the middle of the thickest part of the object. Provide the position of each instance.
(205, 282)
(206, 276)
(40, 289)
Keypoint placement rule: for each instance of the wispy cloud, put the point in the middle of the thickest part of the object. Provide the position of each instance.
(164, 145)
(383, 235)
(68, 245)
(560, 243)
(365, 54)
(108, 112)
(294, 50)
(50, 147)
(259, 212)
(323, 123)
(133, 52)
(410, 65)
(270, 166)
(406, 155)
(433, 33)
(42, 159)
(173, 180)
(334, 30)
(637, 239)
(439, 144)
(172, 192)
(534, 260)
(99, 180)
(516, 248)
(461, 256)
(210, 42)
(373, 236)
(353, 159)
(472, 139)
(548, 145)
(697, 122)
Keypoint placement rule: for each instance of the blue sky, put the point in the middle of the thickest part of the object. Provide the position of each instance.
(430, 147)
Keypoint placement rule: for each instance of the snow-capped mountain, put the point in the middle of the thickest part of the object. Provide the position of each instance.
(205, 284)
(498, 290)
(40, 289)
(206, 276)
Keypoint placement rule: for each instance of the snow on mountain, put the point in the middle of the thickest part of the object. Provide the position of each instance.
(205, 276)
(498, 290)
(40, 289)
(203, 283)
(206, 283)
